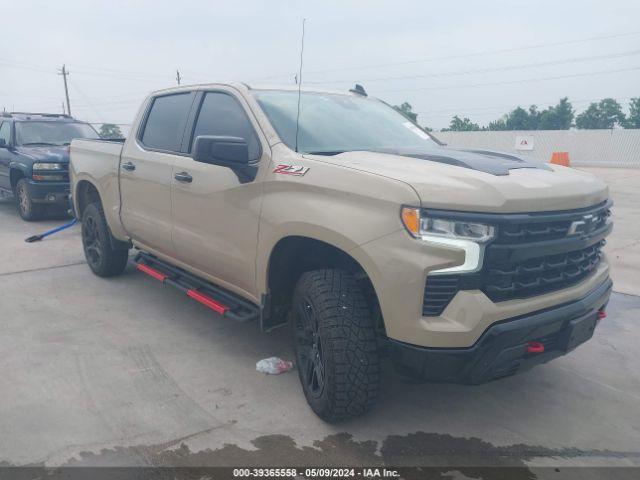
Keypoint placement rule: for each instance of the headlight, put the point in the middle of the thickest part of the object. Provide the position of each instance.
(47, 166)
(468, 236)
(420, 225)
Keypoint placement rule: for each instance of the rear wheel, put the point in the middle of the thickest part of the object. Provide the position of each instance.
(335, 345)
(103, 259)
(28, 210)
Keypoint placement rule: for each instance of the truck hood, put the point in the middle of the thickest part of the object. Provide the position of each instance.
(480, 181)
(45, 153)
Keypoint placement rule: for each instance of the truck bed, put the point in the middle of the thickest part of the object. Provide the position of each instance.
(98, 162)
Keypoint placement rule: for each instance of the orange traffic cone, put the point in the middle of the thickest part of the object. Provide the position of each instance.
(560, 158)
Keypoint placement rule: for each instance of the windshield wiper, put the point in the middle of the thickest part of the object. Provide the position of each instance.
(41, 143)
(327, 152)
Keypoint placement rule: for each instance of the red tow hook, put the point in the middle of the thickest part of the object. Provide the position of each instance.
(535, 347)
(602, 314)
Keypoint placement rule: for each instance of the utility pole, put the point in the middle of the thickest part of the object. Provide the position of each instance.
(178, 77)
(64, 72)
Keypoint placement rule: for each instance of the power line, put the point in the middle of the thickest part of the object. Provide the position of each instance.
(95, 110)
(511, 82)
(488, 70)
(93, 70)
(26, 66)
(470, 55)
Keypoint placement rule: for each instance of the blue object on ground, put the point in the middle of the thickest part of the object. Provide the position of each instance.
(37, 238)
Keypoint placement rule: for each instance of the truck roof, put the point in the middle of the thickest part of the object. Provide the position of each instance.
(46, 117)
(246, 86)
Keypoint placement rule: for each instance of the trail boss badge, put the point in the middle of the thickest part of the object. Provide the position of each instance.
(297, 170)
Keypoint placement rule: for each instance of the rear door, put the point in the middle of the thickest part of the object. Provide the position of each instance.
(215, 215)
(146, 169)
(5, 155)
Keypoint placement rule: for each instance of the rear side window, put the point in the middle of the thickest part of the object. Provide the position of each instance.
(222, 115)
(166, 121)
(5, 132)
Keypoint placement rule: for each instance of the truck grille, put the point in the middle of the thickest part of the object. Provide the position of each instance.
(540, 230)
(541, 275)
(532, 254)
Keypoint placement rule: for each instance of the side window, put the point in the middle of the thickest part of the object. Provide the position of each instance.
(166, 120)
(222, 115)
(5, 132)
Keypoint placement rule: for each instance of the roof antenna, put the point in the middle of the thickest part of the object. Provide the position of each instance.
(299, 81)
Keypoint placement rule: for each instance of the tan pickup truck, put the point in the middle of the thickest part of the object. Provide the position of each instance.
(335, 214)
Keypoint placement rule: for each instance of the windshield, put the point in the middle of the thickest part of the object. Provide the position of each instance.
(334, 123)
(52, 133)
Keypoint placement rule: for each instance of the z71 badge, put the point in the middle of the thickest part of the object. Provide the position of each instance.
(297, 170)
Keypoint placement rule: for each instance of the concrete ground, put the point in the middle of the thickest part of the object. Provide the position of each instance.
(127, 372)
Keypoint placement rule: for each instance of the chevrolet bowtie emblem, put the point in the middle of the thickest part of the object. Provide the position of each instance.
(586, 225)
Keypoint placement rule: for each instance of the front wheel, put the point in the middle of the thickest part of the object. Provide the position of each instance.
(103, 259)
(335, 345)
(28, 210)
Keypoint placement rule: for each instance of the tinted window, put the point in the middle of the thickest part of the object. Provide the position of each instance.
(221, 115)
(166, 122)
(5, 132)
(52, 133)
(333, 123)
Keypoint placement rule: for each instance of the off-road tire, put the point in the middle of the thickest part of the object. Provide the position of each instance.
(103, 259)
(347, 347)
(28, 210)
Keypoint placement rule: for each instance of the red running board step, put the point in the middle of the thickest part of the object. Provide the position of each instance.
(208, 301)
(152, 272)
(197, 296)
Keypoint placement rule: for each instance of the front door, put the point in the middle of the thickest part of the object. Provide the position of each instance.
(5, 156)
(146, 169)
(216, 210)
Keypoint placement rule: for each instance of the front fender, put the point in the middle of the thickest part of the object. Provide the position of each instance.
(17, 166)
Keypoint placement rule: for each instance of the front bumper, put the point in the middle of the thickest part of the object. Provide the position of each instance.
(49, 192)
(502, 348)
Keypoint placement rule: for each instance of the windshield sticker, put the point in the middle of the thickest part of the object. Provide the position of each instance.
(297, 170)
(416, 130)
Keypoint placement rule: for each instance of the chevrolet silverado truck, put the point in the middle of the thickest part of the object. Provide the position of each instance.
(34, 159)
(335, 214)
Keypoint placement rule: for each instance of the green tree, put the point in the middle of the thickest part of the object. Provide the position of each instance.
(407, 110)
(521, 119)
(633, 120)
(499, 124)
(607, 113)
(110, 130)
(558, 117)
(458, 124)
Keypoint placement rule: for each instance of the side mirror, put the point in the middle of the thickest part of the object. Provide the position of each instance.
(230, 152)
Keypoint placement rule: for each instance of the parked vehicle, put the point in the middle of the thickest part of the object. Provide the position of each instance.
(34, 159)
(354, 226)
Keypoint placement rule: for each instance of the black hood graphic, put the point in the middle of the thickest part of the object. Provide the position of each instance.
(495, 163)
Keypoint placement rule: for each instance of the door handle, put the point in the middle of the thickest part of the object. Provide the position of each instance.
(129, 167)
(183, 177)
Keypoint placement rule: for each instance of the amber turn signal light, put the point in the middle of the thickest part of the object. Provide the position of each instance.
(411, 220)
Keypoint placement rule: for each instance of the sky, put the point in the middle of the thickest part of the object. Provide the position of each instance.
(477, 59)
